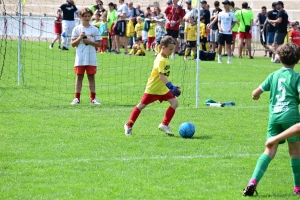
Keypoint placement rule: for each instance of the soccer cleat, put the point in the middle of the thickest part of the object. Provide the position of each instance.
(64, 48)
(250, 189)
(165, 129)
(75, 101)
(51, 46)
(95, 101)
(219, 60)
(128, 130)
(296, 192)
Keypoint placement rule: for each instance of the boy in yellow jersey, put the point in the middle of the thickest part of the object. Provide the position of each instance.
(190, 38)
(138, 48)
(203, 36)
(151, 34)
(139, 27)
(158, 88)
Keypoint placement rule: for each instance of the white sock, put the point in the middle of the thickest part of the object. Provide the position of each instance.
(220, 56)
(229, 58)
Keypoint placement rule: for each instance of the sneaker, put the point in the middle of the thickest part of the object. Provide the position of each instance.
(272, 60)
(172, 56)
(128, 130)
(250, 189)
(277, 61)
(95, 101)
(75, 101)
(219, 60)
(51, 46)
(296, 192)
(185, 58)
(228, 62)
(165, 129)
(64, 48)
(117, 52)
(125, 53)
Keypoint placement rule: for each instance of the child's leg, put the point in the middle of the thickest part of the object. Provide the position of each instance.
(113, 43)
(135, 114)
(187, 51)
(59, 39)
(294, 150)
(138, 53)
(92, 86)
(170, 111)
(78, 85)
(104, 44)
(193, 52)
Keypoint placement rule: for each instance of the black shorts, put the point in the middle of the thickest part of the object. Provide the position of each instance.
(172, 33)
(203, 40)
(263, 41)
(279, 38)
(120, 28)
(191, 44)
(225, 37)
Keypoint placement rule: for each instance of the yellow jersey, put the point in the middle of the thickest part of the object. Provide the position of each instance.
(138, 29)
(151, 32)
(191, 32)
(203, 30)
(154, 84)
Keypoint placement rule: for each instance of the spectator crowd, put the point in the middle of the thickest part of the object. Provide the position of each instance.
(125, 25)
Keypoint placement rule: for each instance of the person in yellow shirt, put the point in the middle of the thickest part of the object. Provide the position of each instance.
(151, 34)
(139, 27)
(203, 36)
(138, 48)
(190, 38)
(158, 88)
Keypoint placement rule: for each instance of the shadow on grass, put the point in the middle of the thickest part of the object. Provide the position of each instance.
(281, 196)
(201, 137)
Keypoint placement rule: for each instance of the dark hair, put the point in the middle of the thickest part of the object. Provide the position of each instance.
(148, 15)
(232, 3)
(202, 18)
(289, 53)
(245, 5)
(85, 11)
(264, 7)
(294, 24)
(217, 3)
(148, 8)
(166, 41)
(111, 4)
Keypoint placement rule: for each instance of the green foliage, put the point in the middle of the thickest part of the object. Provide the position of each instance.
(52, 150)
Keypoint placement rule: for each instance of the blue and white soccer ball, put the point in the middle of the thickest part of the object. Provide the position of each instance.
(186, 130)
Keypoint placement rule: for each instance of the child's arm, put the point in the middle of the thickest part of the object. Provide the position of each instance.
(256, 93)
(173, 89)
(75, 42)
(289, 133)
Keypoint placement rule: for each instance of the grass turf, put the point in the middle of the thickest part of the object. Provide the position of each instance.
(52, 150)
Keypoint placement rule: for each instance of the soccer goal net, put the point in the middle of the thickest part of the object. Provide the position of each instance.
(33, 75)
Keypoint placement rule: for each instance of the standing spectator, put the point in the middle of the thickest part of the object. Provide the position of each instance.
(139, 27)
(260, 20)
(103, 29)
(189, 12)
(281, 27)
(214, 33)
(226, 21)
(235, 29)
(68, 22)
(151, 34)
(111, 19)
(204, 12)
(86, 39)
(131, 15)
(158, 15)
(148, 11)
(295, 34)
(245, 16)
(142, 14)
(57, 30)
(190, 39)
(120, 27)
(98, 8)
(271, 15)
(174, 14)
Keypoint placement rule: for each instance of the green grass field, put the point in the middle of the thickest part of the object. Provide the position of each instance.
(52, 150)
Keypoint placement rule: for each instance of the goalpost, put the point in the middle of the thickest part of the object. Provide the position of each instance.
(45, 77)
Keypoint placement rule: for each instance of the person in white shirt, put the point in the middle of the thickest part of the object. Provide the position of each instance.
(120, 27)
(85, 38)
(189, 12)
(226, 21)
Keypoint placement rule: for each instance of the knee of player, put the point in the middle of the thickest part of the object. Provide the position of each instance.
(141, 106)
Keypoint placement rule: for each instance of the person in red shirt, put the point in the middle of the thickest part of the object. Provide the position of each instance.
(57, 30)
(174, 14)
(295, 34)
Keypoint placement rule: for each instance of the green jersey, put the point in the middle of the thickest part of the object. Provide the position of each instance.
(284, 87)
(236, 26)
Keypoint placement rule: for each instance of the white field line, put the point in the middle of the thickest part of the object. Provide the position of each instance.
(87, 160)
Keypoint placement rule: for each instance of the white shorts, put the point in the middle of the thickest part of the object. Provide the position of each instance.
(144, 35)
(214, 35)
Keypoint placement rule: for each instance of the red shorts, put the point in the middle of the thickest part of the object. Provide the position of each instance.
(150, 98)
(234, 35)
(57, 29)
(88, 68)
(244, 35)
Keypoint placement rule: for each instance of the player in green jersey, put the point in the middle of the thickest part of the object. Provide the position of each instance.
(284, 87)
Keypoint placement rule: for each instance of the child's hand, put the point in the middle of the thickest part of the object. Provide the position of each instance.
(82, 34)
(86, 41)
(255, 96)
(270, 142)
